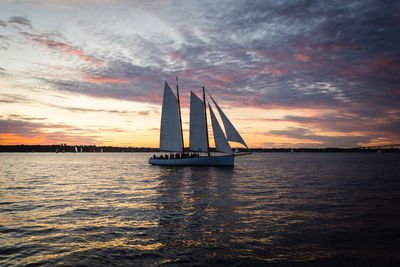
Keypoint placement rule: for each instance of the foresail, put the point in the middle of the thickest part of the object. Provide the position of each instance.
(170, 133)
(231, 133)
(197, 134)
(221, 144)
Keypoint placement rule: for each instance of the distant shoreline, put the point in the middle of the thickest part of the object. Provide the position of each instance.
(95, 149)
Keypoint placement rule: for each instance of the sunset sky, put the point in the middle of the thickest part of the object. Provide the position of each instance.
(286, 73)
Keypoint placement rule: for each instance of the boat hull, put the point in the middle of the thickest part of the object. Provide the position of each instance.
(225, 160)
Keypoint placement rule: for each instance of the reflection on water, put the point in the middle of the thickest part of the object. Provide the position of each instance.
(196, 212)
(272, 208)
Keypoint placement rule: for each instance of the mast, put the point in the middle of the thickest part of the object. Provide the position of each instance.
(205, 117)
(180, 116)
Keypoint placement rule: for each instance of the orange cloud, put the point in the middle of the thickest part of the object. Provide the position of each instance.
(15, 139)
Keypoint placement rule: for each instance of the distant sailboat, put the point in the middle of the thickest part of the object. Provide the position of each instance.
(171, 136)
(76, 150)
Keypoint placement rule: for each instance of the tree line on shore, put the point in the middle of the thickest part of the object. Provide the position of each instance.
(63, 148)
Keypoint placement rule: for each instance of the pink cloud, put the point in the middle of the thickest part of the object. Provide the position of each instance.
(300, 57)
(99, 80)
(59, 46)
(274, 71)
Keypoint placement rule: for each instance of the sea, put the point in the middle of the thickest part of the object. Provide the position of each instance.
(271, 209)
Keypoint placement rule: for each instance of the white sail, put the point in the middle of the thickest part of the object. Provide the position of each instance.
(170, 133)
(221, 144)
(198, 133)
(231, 133)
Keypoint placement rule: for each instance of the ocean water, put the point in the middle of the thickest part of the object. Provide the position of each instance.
(278, 209)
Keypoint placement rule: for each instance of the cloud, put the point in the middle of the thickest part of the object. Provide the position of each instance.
(26, 128)
(14, 98)
(306, 63)
(330, 51)
(86, 110)
(327, 141)
(346, 127)
(352, 120)
(4, 44)
(20, 20)
(25, 132)
(99, 80)
(24, 118)
(263, 53)
(48, 41)
(341, 57)
(119, 80)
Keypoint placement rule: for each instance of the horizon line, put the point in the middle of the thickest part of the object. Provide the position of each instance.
(187, 148)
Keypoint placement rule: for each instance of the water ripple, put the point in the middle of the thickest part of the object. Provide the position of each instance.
(273, 208)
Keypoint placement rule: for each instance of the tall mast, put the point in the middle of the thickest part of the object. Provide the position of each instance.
(180, 116)
(205, 117)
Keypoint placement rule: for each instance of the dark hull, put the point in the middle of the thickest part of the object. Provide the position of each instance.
(225, 160)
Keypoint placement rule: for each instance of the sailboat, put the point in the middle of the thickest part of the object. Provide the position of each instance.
(171, 134)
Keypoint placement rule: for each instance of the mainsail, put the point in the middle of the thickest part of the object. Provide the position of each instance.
(231, 133)
(221, 144)
(198, 133)
(170, 132)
